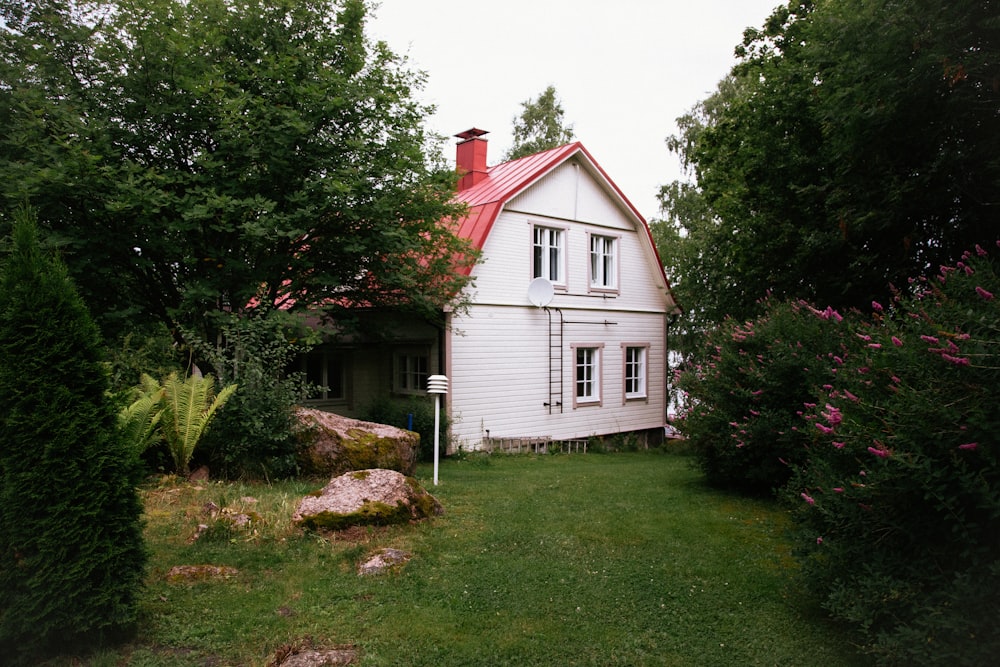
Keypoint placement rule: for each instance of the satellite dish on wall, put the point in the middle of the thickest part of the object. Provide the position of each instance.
(540, 292)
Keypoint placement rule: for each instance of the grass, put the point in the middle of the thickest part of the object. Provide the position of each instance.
(622, 559)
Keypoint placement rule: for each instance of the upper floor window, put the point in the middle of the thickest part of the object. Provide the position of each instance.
(548, 254)
(603, 262)
(635, 371)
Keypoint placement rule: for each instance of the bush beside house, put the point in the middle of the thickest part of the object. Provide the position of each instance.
(889, 449)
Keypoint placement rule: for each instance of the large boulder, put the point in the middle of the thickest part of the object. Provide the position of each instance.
(364, 498)
(335, 445)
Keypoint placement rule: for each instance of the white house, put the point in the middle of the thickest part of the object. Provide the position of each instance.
(566, 334)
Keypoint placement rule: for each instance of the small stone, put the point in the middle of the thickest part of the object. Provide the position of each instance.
(383, 560)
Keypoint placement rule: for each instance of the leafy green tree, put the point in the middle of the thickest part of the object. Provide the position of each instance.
(854, 144)
(71, 549)
(199, 153)
(540, 126)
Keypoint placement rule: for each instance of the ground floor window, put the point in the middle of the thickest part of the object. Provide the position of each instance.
(635, 371)
(411, 372)
(588, 374)
(325, 372)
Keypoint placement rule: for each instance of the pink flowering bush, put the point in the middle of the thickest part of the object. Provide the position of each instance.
(749, 389)
(882, 432)
(898, 499)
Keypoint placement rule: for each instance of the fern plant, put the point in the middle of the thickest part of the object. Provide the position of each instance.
(139, 421)
(188, 406)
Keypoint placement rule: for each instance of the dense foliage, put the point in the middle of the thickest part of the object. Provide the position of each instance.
(198, 153)
(885, 430)
(71, 549)
(745, 397)
(855, 144)
(900, 495)
(415, 414)
(256, 434)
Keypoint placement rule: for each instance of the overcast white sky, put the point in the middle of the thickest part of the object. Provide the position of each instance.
(623, 69)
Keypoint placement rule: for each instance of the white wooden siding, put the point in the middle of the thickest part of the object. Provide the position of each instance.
(499, 366)
(500, 374)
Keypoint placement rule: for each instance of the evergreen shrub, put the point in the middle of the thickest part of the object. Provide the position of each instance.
(71, 548)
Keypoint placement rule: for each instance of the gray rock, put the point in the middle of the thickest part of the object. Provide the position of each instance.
(383, 560)
(366, 497)
(335, 445)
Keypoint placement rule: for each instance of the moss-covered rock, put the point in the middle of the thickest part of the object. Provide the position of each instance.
(376, 497)
(335, 445)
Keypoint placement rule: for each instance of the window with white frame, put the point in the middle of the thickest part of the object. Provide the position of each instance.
(548, 254)
(411, 372)
(603, 262)
(635, 371)
(588, 375)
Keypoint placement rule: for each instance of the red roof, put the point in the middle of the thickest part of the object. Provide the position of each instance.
(505, 181)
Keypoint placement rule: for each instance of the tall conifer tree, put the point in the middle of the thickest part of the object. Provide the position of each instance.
(71, 550)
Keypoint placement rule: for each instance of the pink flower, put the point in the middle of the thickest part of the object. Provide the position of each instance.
(832, 415)
(929, 339)
(809, 499)
(881, 453)
(958, 361)
(819, 540)
(838, 445)
(823, 429)
(897, 342)
(864, 337)
(838, 489)
(851, 397)
(983, 293)
(980, 251)
(969, 446)
(875, 346)
(877, 307)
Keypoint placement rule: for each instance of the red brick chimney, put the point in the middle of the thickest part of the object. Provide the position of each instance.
(470, 158)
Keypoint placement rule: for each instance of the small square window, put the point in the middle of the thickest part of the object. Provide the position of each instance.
(325, 372)
(411, 373)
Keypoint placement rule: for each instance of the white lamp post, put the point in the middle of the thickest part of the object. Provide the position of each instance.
(437, 385)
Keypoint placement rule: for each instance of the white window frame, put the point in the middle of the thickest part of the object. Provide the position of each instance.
(635, 372)
(410, 370)
(548, 253)
(602, 267)
(587, 374)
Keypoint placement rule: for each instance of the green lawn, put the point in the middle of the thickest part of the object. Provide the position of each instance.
(621, 559)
